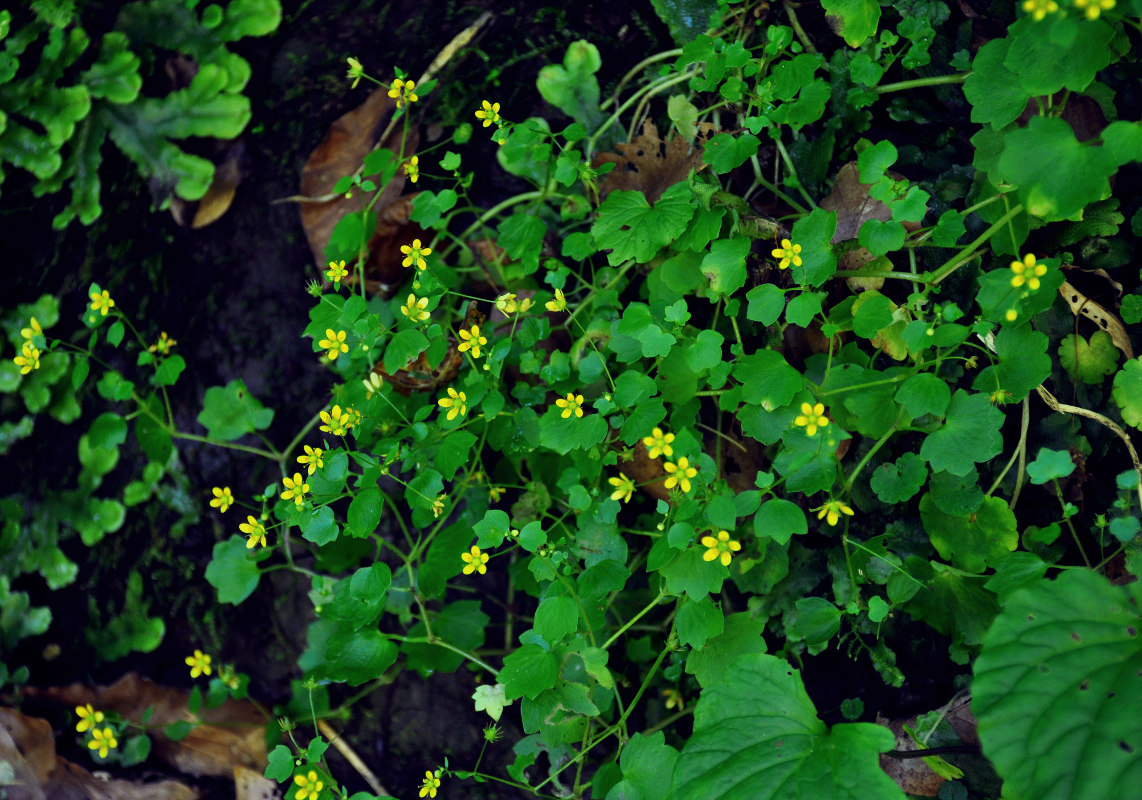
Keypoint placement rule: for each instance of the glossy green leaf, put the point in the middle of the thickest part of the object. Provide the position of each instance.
(970, 434)
(529, 671)
(973, 541)
(647, 764)
(631, 228)
(1050, 465)
(858, 18)
(1044, 67)
(698, 621)
(899, 480)
(556, 618)
(993, 90)
(232, 571)
(725, 152)
(779, 519)
(815, 233)
(724, 265)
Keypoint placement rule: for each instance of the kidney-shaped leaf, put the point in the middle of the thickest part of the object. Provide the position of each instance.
(1057, 689)
(757, 736)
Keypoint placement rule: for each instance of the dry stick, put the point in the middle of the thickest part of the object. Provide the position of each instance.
(1063, 408)
(354, 760)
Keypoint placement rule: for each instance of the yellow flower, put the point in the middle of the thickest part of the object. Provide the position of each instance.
(679, 474)
(103, 740)
(336, 272)
(255, 532)
(199, 663)
(32, 331)
(222, 499)
(508, 304)
(163, 345)
(572, 404)
(456, 403)
(403, 92)
(28, 360)
(334, 342)
(415, 309)
(88, 717)
(833, 510)
(438, 505)
(308, 786)
(312, 458)
(474, 561)
(1092, 8)
(412, 169)
(624, 488)
(1041, 8)
(101, 302)
(1027, 271)
(811, 418)
(673, 699)
(472, 340)
(372, 384)
(489, 113)
(414, 254)
(335, 422)
(354, 416)
(295, 490)
(788, 254)
(356, 72)
(495, 493)
(658, 443)
(1011, 315)
(723, 547)
(558, 304)
(430, 784)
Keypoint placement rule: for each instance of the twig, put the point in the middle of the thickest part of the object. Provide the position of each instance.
(354, 760)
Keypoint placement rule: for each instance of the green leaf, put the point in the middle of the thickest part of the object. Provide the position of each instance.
(881, 237)
(647, 764)
(698, 621)
(403, 348)
(872, 312)
(779, 519)
(1089, 361)
(814, 233)
(900, 480)
(631, 228)
(973, 541)
(766, 302)
(556, 618)
(815, 621)
(725, 152)
(107, 431)
(529, 671)
(689, 574)
(454, 452)
(1055, 687)
(873, 161)
(706, 351)
(924, 393)
(638, 324)
(280, 766)
(232, 571)
(953, 603)
(230, 412)
(1128, 392)
(767, 379)
(320, 527)
(1044, 67)
(169, 370)
(724, 265)
(957, 495)
(1023, 362)
(741, 634)
(857, 18)
(359, 599)
(1057, 176)
(365, 512)
(572, 86)
(1123, 140)
(994, 92)
(1050, 465)
(757, 737)
(358, 656)
(970, 434)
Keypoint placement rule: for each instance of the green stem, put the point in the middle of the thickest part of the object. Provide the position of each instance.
(633, 620)
(229, 445)
(965, 255)
(918, 83)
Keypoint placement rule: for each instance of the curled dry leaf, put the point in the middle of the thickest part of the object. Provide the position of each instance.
(228, 174)
(854, 207)
(650, 164)
(232, 734)
(1104, 319)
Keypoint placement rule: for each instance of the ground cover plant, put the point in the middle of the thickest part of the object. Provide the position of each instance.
(809, 340)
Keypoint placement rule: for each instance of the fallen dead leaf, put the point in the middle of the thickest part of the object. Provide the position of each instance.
(651, 165)
(253, 785)
(1104, 319)
(854, 207)
(231, 735)
(216, 202)
(912, 775)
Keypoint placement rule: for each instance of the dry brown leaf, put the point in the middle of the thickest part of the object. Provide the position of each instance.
(352, 137)
(228, 176)
(910, 774)
(651, 165)
(253, 785)
(854, 207)
(420, 376)
(232, 734)
(1104, 319)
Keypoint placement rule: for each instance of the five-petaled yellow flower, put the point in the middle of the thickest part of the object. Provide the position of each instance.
(412, 169)
(571, 404)
(416, 309)
(438, 505)
(456, 403)
(33, 330)
(103, 740)
(372, 384)
(356, 72)
(811, 418)
(199, 663)
(222, 498)
(658, 443)
(336, 272)
(489, 113)
(472, 340)
(28, 360)
(334, 342)
(312, 458)
(474, 561)
(295, 490)
(495, 493)
(430, 784)
(508, 304)
(308, 786)
(558, 304)
(722, 547)
(403, 92)
(88, 717)
(1040, 8)
(102, 302)
(1092, 8)
(833, 510)
(163, 345)
(1027, 271)
(255, 532)
(679, 474)
(788, 253)
(335, 421)
(414, 254)
(624, 488)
